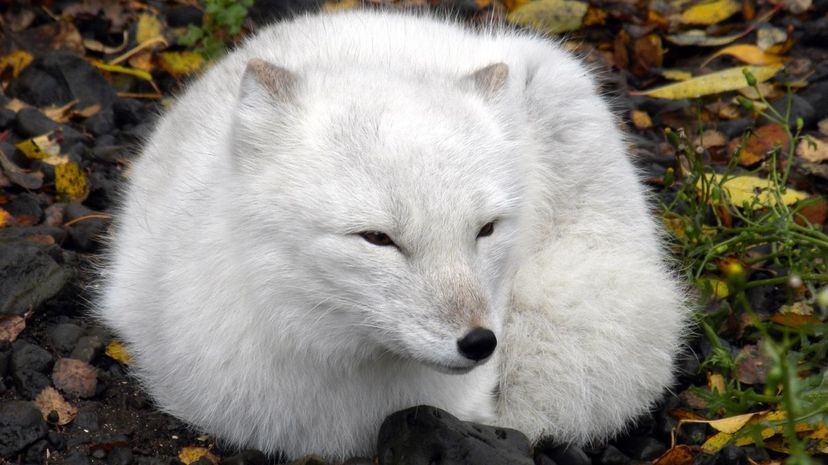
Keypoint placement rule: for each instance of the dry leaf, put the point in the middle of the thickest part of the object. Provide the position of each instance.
(49, 400)
(550, 16)
(823, 126)
(812, 149)
(711, 12)
(747, 53)
(699, 38)
(648, 53)
(732, 424)
(761, 143)
(149, 28)
(752, 366)
(749, 189)
(792, 320)
(712, 138)
(6, 219)
(181, 64)
(676, 74)
(716, 382)
(717, 287)
(16, 61)
(75, 377)
(816, 213)
(767, 36)
(10, 325)
(116, 351)
(140, 74)
(189, 455)
(641, 120)
(71, 183)
(677, 455)
(342, 5)
(713, 83)
(39, 148)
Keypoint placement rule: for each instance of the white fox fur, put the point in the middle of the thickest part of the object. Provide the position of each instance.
(254, 310)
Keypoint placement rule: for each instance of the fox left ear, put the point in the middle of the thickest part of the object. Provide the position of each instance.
(276, 82)
(489, 81)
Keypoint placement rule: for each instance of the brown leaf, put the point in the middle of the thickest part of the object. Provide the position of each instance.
(759, 145)
(792, 320)
(812, 149)
(75, 377)
(752, 365)
(188, 455)
(712, 138)
(648, 53)
(816, 213)
(641, 120)
(677, 455)
(49, 400)
(11, 326)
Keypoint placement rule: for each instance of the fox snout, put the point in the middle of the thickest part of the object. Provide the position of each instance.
(478, 344)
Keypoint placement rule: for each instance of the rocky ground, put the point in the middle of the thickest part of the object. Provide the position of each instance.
(83, 82)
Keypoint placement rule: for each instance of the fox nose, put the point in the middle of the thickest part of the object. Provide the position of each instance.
(478, 344)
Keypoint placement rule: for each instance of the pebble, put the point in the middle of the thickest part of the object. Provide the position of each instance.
(25, 207)
(29, 275)
(29, 365)
(119, 456)
(7, 118)
(36, 453)
(612, 456)
(643, 448)
(64, 336)
(5, 358)
(76, 458)
(57, 440)
(426, 435)
(129, 111)
(57, 78)
(86, 234)
(732, 455)
(101, 123)
(565, 454)
(88, 348)
(86, 420)
(184, 15)
(20, 425)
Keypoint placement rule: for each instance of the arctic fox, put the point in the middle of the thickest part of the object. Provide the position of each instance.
(356, 213)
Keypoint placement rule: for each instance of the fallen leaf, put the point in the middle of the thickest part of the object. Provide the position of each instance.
(823, 126)
(641, 120)
(753, 191)
(71, 183)
(797, 6)
(188, 455)
(181, 64)
(752, 367)
(710, 12)
(792, 320)
(116, 351)
(716, 382)
(648, 53)
(761, 143)
(746, 53)
(716, 286)
(812, 149)
(15, 61)
(699, 38)
(767, 36)
(140, 74)
(49, 400)
(149, 28)
(550, 16)
(676, 455)
(75, 377)
(95, 46)
(762, 89)
(39, 148)
(6, 219)
(676, 74)
(342, 5)
(713, 83)
(816, 213)
(11, 325)
(712, 138)
(732, 424)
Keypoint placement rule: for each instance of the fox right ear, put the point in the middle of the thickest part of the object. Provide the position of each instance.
(266, 79)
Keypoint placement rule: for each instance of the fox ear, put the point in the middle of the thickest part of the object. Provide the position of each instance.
(266, 79)
(490, 80)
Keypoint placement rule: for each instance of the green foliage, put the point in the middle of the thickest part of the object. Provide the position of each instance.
(222, 22)
(718, 240)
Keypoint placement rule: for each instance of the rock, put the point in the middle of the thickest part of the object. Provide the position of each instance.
(7, 118)
(732, 455)
(120, 456)
(426, 435)
(34, 234)
(5, 358)
(36, 453)
(815, 33)
(20, 425)
(57, 440)
(25, 207)
(88, 348)
(643, 448)
(29, 365)
(75, 377)
(29, 276)
(64, 336)
(87, 420)
(129, 112)
(99, 454)
(101, 123)
(57, 78)
(85, 234)
(75, 458)
(246, 457)
(184, 15)
(612, 456)
(565, 454)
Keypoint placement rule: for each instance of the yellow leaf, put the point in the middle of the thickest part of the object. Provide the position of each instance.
(719, 287)
(710, 12)
(116, 351)
(641, 120)
(550, 16)
(676, 74)
(180, 64)
(699, 38)
(732, 424)
(713, 83)
(149, 28)
(716, 382)
(70, 183)
(716, 443)
(749, 54)
(140, 74)
(342, 5)
(5, 218)
(754, 191)
(189, 455)
(39, 148)
(16, 60)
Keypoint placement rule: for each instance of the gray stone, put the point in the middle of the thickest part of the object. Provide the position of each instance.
(28, 276)
(20, 425)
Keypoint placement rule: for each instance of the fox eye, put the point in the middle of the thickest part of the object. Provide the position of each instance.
(377, 238)
(486, 230)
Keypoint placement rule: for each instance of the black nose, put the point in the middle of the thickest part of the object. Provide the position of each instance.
(478, 344)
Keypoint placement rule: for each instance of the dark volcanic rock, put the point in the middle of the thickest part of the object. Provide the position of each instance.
(28, 275)
(85, 234)
(29, 365)
(246, 457)
(612, 456)
(20, 425)
(430, 436)
(565, 455)
(25, 207)
(64, 336)
(88, 348)
(7, 117)
(58, 78)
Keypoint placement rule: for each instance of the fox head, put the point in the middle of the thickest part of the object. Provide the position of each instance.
(381, 212)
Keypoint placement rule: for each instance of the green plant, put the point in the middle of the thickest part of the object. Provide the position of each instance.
(759, 242)
(222, 23)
